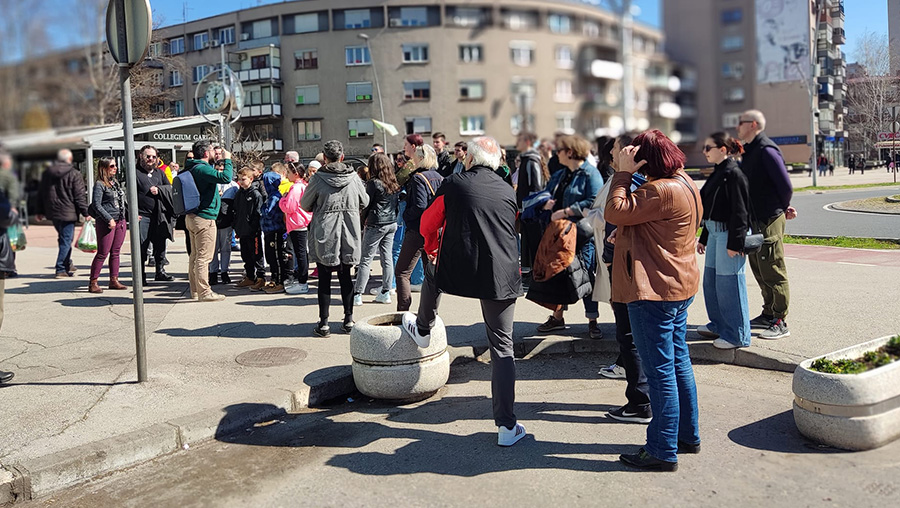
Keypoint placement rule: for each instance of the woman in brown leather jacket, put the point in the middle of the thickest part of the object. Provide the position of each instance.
(657, 276)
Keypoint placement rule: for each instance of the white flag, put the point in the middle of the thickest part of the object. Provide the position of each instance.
(386, 127)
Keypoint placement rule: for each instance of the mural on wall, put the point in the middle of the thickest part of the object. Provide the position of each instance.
(782, 40)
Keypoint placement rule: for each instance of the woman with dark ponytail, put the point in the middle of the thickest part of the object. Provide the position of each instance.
(726, 198)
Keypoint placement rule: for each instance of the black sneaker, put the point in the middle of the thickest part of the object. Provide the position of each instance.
(322, 329)
(645, 461)
(347, 325)
(226, 279)
(552, 324)
(688, 447)
(777, 330)
(6, 377)
(162, 276)
(762, 321)
(638, 414)
(213, 278)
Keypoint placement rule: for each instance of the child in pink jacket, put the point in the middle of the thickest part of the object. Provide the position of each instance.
(297, 220)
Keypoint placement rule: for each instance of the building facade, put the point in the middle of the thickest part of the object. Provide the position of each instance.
(756, 55)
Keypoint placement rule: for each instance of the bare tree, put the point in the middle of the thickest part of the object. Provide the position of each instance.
(870, 91)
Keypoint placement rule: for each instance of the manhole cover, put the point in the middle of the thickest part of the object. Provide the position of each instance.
(271, 357)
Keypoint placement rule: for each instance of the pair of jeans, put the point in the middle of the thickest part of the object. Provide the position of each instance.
(769, 268)
(659, 329)
(380, 238)
(410, 253)
(301, 255)
(222, 255)
(588, 259)
(498, 318)
(344, 274)
(725, 288)
(636, 390)
(109, 243)
(65, 234)
(203, 243)
(418, 274)
(252, 256)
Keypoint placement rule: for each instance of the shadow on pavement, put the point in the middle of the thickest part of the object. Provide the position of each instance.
(777, 433)
(243, 330)
(13, 383)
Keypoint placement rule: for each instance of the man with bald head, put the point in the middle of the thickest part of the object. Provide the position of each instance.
(62, 198)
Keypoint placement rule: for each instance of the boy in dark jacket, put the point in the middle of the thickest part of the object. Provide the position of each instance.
(224, 232)
(274, 229)
(248, 203)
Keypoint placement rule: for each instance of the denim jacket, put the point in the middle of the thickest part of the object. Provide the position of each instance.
(583, 187)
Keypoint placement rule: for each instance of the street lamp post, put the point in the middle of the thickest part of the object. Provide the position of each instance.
(365, 37)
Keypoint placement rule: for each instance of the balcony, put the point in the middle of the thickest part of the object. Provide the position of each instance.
(839, 36)
(837, 10)
(246, 44)
(268, 145)
(264, 74)
(261, 110)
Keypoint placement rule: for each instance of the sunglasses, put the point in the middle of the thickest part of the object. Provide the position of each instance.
(707, 148)
(151, 157)
(742, 122)
(112, 166)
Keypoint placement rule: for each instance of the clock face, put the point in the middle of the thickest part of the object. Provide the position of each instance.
(216, 96)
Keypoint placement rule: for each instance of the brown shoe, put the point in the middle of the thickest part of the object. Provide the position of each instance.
(259, 284)
(272, 288)
(246, 282)
(93, 287)
(115, 284)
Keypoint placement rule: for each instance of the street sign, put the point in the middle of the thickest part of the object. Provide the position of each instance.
(128, 40)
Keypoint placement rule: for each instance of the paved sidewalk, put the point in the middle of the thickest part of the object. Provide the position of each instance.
(74, 409)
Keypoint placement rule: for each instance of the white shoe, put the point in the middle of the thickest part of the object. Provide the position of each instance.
(509, 437)
(704, 331)
(357, 300)
(612, 372)
(383, 297)
(377, 291)
(724, 344)
(409, 324)
(297, 289)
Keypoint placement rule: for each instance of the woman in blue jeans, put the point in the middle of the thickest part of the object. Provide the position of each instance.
(657, 277)
(726, 221)
(380, 224)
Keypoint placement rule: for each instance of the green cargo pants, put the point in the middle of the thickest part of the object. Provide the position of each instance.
(769, 268)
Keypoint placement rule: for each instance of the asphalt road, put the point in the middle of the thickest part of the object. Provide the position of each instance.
(814, 219)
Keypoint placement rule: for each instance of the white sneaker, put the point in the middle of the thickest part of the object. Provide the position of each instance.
(409, 324)
(383, 297)
(509, 437)
(357, 300)
(377, 291)
(297, 289)
(704, 331)
(612, 372)
(724, 344)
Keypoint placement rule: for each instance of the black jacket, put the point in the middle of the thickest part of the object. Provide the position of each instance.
(149, 204)
(108, 203)
(770, 185)
(445, 164)
(382, 209)
(248, 205)
(726, 199)
(479, 254)
(7, 254)
(531, 176)
(419, 196)
(62, 193)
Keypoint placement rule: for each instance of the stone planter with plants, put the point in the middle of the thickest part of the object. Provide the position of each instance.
(850, 399)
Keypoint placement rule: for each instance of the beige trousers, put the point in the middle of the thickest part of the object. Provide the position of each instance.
(203, 243)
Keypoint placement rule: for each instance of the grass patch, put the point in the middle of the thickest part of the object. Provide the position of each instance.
(884, 355)
(840, 187)
(843, 241)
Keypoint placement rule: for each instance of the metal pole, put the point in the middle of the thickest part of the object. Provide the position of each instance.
(377, 89)
(89, 163)
(894, 117)
(627, 67)
(812, 94)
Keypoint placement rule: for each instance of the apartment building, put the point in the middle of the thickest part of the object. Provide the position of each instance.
(756, 55)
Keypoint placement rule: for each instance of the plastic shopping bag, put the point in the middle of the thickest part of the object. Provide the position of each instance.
(87, 238)
(17, 237)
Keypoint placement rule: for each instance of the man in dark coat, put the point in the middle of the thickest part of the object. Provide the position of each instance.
(62, 198)
(445, 160)
(155, 209)
(470, 239)
(8, 217)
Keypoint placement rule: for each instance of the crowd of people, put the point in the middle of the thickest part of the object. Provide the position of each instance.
(616, 222)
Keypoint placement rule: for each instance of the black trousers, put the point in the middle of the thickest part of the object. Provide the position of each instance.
(277, 255)
(252, 256)
(298, 242)
(324, 294)
(636, 388)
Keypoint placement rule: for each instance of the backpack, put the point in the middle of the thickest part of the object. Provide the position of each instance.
(185, 195)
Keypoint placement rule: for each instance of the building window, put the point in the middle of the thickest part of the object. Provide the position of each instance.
(199, 72)
(515, 124)
(731, 120)
(563, 91)
(417, 90)
(520, 20)
(175, 78)
(412, 16)
(361, 128)
(471, 89)
(357, 18)
(471, 125)
(264, 132)
(306, 59)
(225, 35)
(559, 23)
(176, 46)
(565, 122)
(357, 55)
(359, 92)
(523, 87)
(733, 70)
(418, 125)
(308, 94)
(522, 52)
(732, 16)
(261, 29)
(259, 62)
(470, 53)
(590, 29)
(306, 23)
(155, 50)
(309, 130)
(262, 95)
(468, 16)
(564, 58)
(201, 41)
(415, 53)
(178, 108)
(734, 94)
(732, 43)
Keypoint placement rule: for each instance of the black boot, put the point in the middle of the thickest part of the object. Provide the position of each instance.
(226, 279)
(6, 377)
(213, 278)
(347, 325)
(161, 275)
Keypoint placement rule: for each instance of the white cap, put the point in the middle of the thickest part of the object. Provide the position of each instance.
(314, 164)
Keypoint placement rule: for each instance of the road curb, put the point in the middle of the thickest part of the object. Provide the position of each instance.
(38, 477)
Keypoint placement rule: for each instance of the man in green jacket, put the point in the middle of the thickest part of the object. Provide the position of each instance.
(201, 224)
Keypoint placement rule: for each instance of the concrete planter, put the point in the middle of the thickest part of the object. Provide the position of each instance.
(387, 364)
(849, 411)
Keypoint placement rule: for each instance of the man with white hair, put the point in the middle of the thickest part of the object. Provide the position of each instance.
(291, 156)
(470, 239)
(62, 198)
